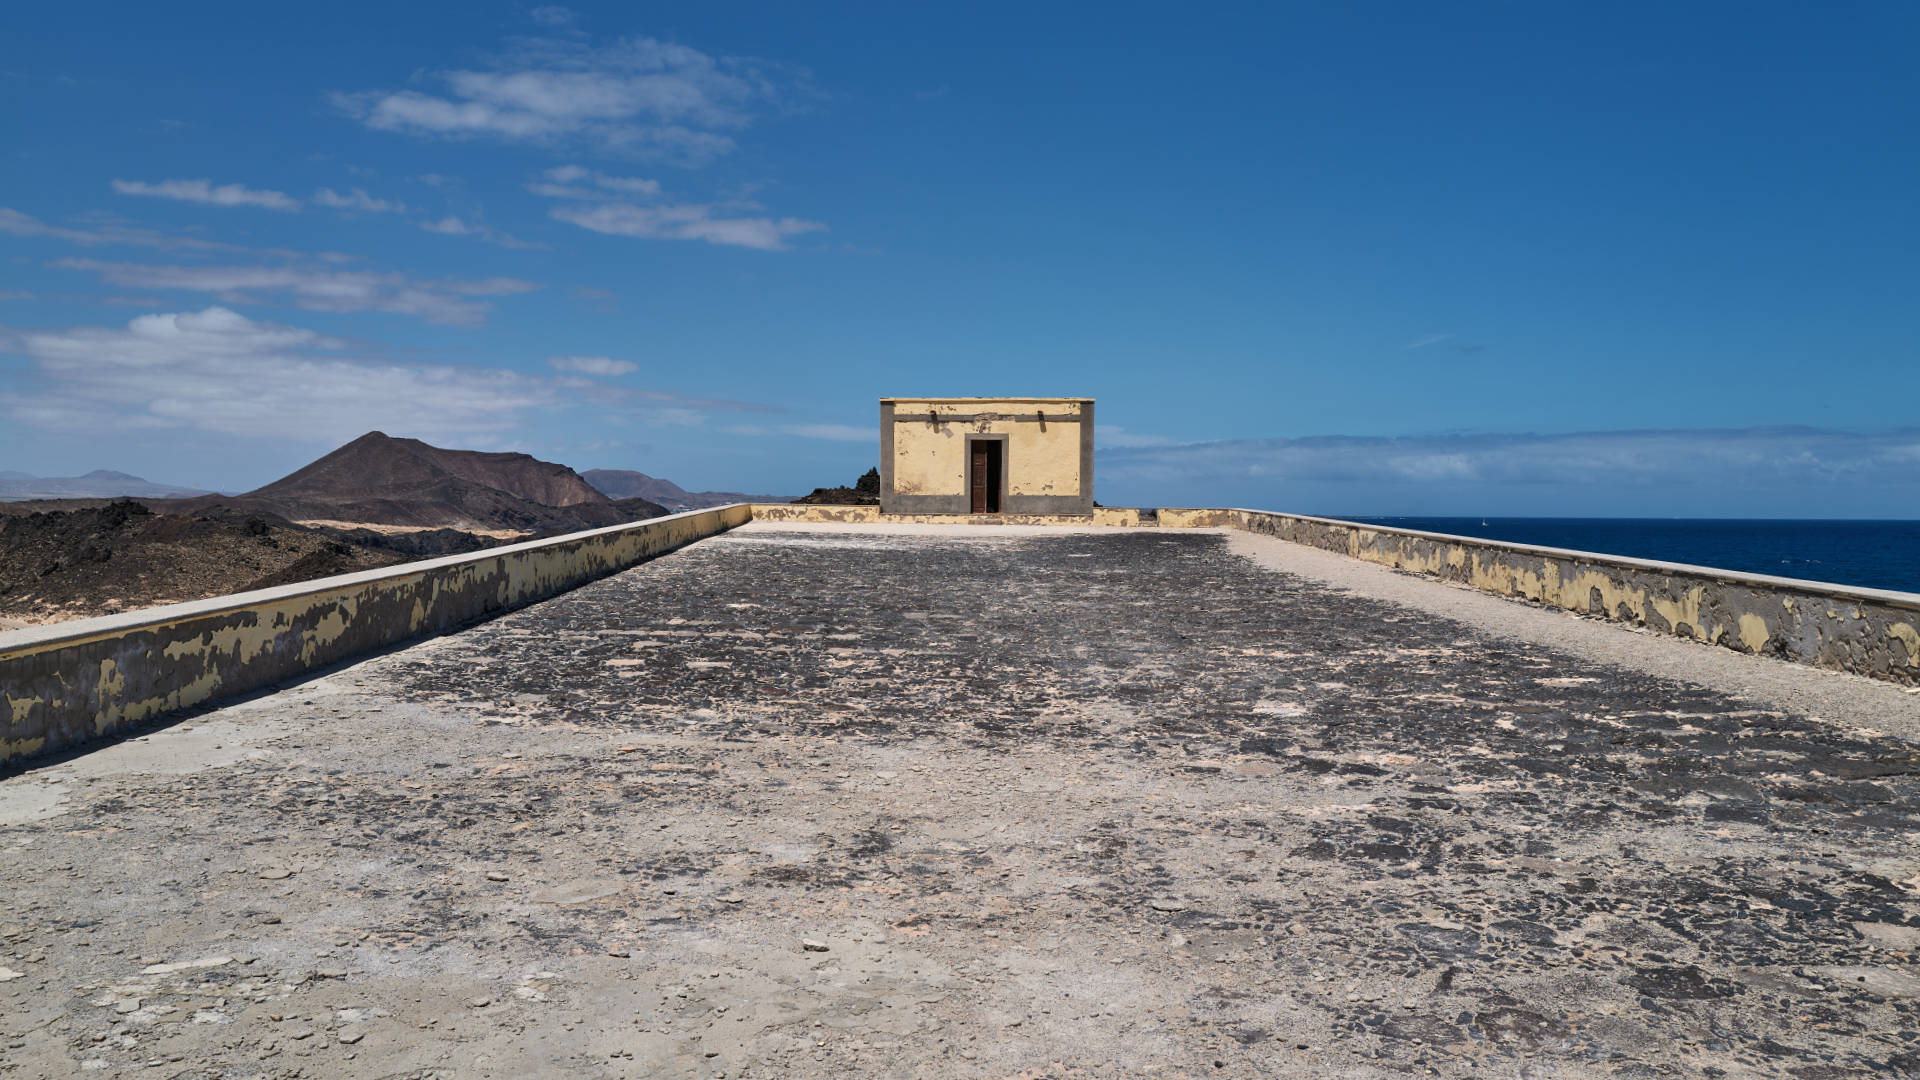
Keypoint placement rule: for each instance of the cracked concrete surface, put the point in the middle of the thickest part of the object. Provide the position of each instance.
(806, 801)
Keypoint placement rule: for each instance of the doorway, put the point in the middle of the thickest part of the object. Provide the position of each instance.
(984, 472)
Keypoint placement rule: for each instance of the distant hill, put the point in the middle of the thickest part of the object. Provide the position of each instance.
(864, 492)
(79, 561)
(98, 484)
(382, 480)
(628, 484)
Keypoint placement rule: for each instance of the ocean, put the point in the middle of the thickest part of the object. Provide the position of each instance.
(1873, 554)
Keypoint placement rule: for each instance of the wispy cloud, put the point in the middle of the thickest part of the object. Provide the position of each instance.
(575, 182)
(553, 15)
(205, 192)
(457, 226)
(443, 300)
(833, 432)
(357, 199)
(593, 365)
(15, 223)
(608, 204)
(1430, 339)
(1106, 436)
(637, 94)
(216, 370)
(685, 221)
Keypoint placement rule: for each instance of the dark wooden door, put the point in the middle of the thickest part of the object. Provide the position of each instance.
(978, 472)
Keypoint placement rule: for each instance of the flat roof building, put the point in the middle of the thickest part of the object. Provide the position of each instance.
(986, 455)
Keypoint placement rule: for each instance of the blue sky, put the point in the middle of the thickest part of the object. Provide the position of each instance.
(1336, 258)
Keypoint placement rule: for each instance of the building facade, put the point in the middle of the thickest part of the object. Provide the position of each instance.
(986, 455)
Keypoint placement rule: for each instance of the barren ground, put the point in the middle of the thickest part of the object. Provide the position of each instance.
(799, 801)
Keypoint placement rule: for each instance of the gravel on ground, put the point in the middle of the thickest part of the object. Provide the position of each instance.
(803, 801)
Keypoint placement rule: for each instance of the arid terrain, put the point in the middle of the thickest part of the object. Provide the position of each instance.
(376, 501)
(628, 484)
(120, 556)
(806, 801)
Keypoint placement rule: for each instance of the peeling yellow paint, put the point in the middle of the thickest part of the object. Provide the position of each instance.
(1647, 595)
(1906, 635)
(19, 748)
(1105, 516)
(1185, 518)
(107, 690)
(208, 653)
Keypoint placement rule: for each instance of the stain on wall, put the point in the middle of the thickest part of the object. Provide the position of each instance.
(1864, 631)
(66, 684)
(873, 515)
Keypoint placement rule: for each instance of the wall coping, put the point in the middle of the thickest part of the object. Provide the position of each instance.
(103, 626)
(1027, 400)
(1732, 577)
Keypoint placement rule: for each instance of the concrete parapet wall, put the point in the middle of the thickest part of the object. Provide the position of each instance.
(872, 515)
(65, 684)
(802, 512)
(1869, 632)
(1175, 517)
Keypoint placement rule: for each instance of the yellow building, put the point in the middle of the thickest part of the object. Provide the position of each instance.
(986, 455)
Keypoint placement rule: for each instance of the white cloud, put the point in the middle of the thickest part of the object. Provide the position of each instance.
(687, 221)
(203, 191)
(593, 365)
(357, 199)
(444, 300)
(596, 201)
(455, 226)
(448, 226)
(565, 182)
(834, 432)
(216, 370)
(1430, 339)
(637, 94)
(1105, 436)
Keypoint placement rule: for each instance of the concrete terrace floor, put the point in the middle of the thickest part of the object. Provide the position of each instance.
(812, 801)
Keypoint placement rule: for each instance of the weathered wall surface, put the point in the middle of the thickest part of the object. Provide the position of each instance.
(866, 515)
(1048, 453)
(1865, 631)
(64, 684)
(872, 515)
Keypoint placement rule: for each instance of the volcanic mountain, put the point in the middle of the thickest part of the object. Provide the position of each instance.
(382, 480)
(628, 484)
(98, 484)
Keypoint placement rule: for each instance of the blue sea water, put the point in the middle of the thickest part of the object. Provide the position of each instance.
(1873, 554)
